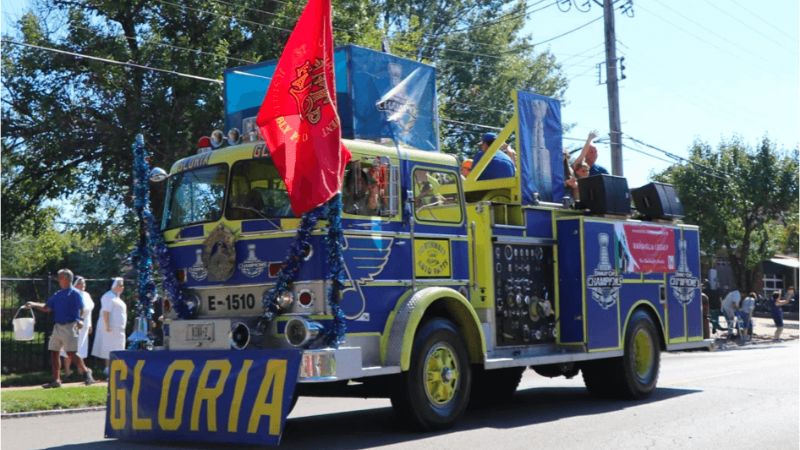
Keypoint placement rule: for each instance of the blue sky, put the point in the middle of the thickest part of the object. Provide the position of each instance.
(696, 69)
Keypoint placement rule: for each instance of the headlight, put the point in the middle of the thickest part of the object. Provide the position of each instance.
(285, 300)
(300, 332)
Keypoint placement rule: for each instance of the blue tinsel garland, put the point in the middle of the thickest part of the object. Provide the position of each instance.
(332, 211)
(152, 241)
(141, 254)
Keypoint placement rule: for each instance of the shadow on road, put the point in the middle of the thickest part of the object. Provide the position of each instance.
(375, 427)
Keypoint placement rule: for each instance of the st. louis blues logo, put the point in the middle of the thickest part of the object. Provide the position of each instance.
(364, 259)
(604, 282)
(684, 283)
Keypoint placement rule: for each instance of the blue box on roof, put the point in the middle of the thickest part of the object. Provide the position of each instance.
(378, 95)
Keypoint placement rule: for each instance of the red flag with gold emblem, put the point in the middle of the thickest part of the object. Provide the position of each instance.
(298, 118)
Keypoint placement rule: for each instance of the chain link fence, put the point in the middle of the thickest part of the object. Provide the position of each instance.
(33, 356)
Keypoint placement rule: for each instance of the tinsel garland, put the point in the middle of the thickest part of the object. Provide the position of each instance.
(335, 334)
(332, 211)
(152, 241)
(141, 254)
(291, 266)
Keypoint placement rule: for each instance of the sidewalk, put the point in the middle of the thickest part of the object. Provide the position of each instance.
(63, 385)
(763, 332)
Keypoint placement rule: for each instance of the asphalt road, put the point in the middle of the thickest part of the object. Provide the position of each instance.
(733, 399)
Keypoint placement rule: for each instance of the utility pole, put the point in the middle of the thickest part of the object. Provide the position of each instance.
(612, 89)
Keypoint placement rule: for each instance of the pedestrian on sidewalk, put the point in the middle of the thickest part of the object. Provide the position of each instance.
(777, 312)
(746, 314)
(66, 306)
(83, 335)
(110, 334)
(730, 304)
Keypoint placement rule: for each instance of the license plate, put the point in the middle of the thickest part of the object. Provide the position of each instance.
(200, 332)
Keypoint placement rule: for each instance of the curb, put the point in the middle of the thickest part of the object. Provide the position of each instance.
(51, 412)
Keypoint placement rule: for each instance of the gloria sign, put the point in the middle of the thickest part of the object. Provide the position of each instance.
(212, 396)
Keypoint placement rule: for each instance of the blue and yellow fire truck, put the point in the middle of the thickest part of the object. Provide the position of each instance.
(453, 285)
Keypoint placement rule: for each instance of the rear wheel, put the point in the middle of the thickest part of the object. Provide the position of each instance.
(635, 374)
(434, 392)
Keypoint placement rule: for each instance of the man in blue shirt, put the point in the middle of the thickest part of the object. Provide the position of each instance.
(501, 166)
(66, 306)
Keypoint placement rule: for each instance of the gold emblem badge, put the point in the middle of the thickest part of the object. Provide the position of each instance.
(219, 254)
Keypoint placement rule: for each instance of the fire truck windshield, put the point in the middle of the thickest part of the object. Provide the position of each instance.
(195, 196)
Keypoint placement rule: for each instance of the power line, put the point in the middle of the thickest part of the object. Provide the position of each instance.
(710, 171)
(568, 32)
(459, 122)
(768, 23)
(700, 25)
(114, 61)
(700, 38)
(176, 47)
(232, 17)
(755, 30)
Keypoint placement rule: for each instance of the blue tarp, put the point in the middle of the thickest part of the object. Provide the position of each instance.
(378, 95)
(540, 147)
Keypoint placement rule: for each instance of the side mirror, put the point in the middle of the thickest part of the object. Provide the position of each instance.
(157, 175)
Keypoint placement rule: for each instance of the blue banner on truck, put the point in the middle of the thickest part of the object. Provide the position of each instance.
(223, 396)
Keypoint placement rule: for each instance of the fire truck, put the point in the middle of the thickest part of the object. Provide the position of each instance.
(453, 286)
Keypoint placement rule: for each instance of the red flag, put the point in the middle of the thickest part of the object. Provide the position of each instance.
(298, 118)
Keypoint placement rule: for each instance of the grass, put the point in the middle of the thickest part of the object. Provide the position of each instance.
(47, 399)
(25, 379)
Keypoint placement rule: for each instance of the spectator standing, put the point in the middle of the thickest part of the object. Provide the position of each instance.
(501, 165)
(83, 334)
(110, 335)
(746, 314)
(730, 304)
(66, 306)
(714, 310)
(777, 312)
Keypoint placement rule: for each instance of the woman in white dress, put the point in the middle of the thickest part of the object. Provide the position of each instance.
(83, 334)
(110, 334)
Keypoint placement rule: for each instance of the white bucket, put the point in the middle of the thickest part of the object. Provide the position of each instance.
(23, 326)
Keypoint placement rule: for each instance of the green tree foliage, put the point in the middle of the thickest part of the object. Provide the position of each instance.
(68, 122)
(744, 200)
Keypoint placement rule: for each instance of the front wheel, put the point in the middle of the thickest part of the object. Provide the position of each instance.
(434, 392)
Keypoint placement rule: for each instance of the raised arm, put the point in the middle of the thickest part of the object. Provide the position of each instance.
(585, 150)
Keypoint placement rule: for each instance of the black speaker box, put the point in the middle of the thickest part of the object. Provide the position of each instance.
(605, 194)
(657, 201)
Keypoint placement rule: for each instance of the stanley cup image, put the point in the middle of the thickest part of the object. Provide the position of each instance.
(605, 262)
(541, 157)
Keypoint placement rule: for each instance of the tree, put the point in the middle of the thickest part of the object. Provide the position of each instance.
(743, 199)
(68, 122)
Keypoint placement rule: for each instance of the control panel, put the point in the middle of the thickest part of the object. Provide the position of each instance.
(523, 288)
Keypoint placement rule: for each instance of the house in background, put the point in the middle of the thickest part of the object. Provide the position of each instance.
(777, 273)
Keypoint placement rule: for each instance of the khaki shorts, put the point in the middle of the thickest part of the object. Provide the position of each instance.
(65, 335)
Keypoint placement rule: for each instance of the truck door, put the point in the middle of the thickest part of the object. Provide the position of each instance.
(438, 228)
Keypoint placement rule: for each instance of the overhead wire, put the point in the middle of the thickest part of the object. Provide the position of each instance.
(755, 30)
(113, 61)
(175, 47)
(700, 38)
(703, 27)
(765, 21)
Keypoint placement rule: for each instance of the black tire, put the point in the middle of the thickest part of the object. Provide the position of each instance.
(435, 403)
(494, 386)
(635, 374)
(642, 359)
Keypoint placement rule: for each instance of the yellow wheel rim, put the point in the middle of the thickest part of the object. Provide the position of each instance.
(441, 374)
(643, 354)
